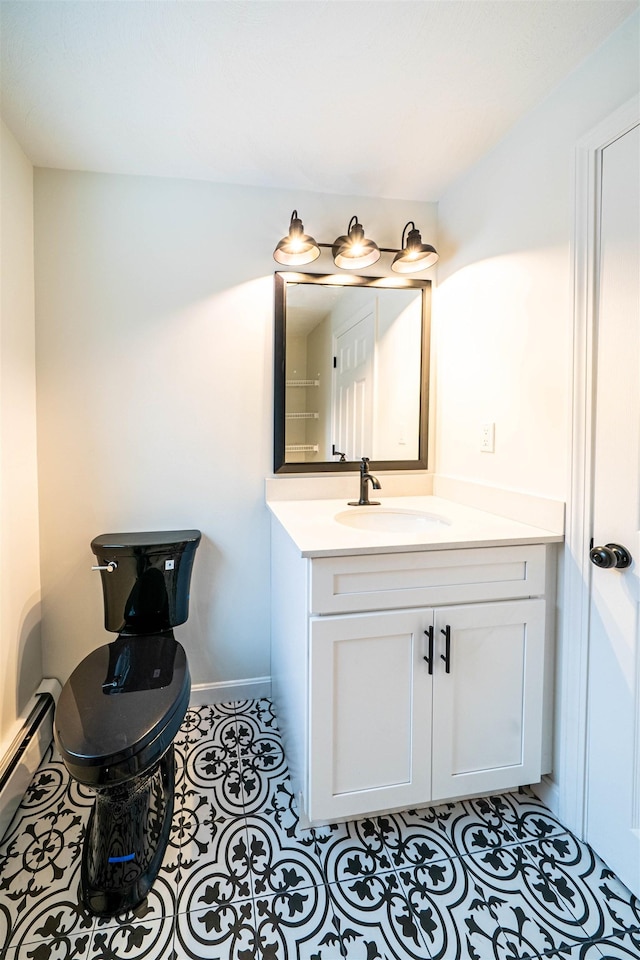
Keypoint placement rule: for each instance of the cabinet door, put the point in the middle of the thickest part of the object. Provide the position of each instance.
(370, 714)
(487, 710)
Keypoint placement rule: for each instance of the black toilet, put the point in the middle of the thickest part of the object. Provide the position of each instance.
(120, 710)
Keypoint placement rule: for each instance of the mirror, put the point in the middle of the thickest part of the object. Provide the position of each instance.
(351, 372)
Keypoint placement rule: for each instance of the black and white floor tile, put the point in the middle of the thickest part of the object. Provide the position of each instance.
(490, 879)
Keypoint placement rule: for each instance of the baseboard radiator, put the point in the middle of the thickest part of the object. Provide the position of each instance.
(24, 754)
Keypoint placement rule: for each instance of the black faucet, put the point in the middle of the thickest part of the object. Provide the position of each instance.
(364, 489)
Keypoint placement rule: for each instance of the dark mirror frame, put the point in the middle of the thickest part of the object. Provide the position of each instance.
(280, 298)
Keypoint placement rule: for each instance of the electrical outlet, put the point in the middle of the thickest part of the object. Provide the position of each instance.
(487, 437)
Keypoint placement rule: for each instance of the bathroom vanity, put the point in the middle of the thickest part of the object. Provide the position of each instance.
(412, 652)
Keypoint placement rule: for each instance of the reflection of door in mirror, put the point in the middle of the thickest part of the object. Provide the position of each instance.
(353, 386)
(396, 421)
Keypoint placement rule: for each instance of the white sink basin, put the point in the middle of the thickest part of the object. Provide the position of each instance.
(381, 520)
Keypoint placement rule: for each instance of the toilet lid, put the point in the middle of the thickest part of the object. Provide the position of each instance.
(120, 698)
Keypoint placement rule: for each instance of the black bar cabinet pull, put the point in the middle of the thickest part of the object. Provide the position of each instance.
(446, 656)
(429, 659)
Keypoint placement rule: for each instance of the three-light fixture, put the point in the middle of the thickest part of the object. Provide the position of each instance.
(353, 251)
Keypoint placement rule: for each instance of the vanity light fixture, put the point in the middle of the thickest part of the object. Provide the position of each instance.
(353, 251)
(297, 247)
(415, 255)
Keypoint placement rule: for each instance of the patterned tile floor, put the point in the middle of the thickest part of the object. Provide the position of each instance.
(490, 879)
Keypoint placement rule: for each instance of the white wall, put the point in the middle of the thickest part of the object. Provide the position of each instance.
(503, 310)
(154, 303)
(396, 398)
(503, 307)
(19, 555)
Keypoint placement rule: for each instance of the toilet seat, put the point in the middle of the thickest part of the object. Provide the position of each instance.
(121, 708)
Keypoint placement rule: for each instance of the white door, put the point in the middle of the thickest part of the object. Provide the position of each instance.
(613, 706)
(370, 714)
(353, 387)
(487, 708)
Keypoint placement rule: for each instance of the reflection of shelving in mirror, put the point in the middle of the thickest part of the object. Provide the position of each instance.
(302, 411)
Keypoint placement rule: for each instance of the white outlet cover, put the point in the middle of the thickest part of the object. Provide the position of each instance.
(487, 437)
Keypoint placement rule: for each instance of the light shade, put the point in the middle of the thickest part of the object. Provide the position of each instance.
(297, 247)
(354, 251)
(415, 255)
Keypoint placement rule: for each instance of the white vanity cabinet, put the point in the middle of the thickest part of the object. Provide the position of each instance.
(370, 714)
(371, 725)
(384, 732)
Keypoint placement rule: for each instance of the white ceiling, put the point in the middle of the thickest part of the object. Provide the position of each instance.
(392, 98)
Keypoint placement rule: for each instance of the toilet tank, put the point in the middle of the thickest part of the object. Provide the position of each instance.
(148, 589)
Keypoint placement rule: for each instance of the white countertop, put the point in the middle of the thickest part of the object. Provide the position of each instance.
(312, 526)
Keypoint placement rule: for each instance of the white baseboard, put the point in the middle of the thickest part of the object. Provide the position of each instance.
(226, 691)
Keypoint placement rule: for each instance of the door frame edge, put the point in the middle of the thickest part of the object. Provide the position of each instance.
(574, 660)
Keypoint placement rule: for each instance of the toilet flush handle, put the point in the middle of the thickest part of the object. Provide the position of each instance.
(109, 567)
